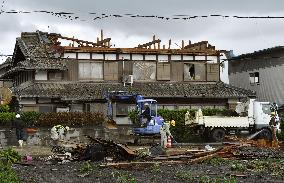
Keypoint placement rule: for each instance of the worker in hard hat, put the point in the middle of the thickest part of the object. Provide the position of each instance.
(146, 114)
(58, 133)
(165, 132)
(19, 124)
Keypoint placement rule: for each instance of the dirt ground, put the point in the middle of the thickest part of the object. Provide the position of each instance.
(213, 170)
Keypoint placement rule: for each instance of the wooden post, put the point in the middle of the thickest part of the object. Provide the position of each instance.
(102, 35)
(154, 43)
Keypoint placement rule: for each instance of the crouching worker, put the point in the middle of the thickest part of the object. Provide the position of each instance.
(19, 124)
(58, 133)
(165, 132)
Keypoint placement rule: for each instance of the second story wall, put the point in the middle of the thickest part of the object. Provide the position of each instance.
(143, 67)
(264, 76)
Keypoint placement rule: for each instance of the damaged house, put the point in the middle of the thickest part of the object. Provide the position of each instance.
(48, 76)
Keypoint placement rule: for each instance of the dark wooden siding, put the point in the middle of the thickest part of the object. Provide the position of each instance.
(213, 72)
(110, 71)
(128, 68)
(163, 71)
(72, 70)
(176, 71)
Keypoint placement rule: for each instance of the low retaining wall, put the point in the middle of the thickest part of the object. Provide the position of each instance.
(42, 135)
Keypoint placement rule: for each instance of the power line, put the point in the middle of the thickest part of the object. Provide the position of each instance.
(99, 16)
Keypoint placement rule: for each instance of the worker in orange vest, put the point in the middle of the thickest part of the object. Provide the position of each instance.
(165, 132)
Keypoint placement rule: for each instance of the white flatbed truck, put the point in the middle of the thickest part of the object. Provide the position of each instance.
(216, 127)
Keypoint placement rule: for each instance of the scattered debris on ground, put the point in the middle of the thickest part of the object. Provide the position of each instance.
(106, 161)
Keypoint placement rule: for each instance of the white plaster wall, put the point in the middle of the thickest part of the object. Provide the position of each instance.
(150, 57)
(41, 75)
(176, 57)
(97, 56)
(212, 59)
(224, 73)
(137, 57)
(27, 101)
(187, 57)
(110, 56)
(69, 55)
(200, 57)
(124, 56)
(84, 55)
(163, 58)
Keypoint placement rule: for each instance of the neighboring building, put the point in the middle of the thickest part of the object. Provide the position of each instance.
(48, 76)
(260, 71)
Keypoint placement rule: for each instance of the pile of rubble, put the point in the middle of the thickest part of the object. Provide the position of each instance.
(118, 155)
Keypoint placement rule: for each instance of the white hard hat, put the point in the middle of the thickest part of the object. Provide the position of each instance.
(67, 128)
(146, 104)
(18, 115)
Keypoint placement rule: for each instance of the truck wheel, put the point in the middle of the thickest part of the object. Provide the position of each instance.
(206, 135)
(218, 134)
(266, 134)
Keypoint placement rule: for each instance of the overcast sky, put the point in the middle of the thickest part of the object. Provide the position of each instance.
(241, 35)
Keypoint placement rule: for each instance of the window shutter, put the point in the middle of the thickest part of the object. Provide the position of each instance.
(212, 72)
(163, 71)
(110, 71)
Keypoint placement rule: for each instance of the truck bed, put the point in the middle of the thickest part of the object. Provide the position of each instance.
(224, 121)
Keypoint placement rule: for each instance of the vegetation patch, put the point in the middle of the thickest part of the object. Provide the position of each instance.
(124, 177)
(7, 158)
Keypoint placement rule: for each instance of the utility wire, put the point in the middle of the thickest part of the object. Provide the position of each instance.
(99, 16)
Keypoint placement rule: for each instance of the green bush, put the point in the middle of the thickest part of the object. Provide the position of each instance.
(7, 174)
(134, 117)
(10, 156)
(70, 119)
(7, 158)
(30, 118)
(281, 135)
(4, 108)
(6, 118)
(182, 132)
(50, 119)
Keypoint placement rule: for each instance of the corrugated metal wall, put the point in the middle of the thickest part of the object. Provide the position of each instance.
(271, 80)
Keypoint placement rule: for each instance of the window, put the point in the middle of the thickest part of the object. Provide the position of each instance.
(45, 109)
(55, 75)
(194, 72)
(189, 72)
(254, 78)
(91, 70)
(121, 109)
(144, 71)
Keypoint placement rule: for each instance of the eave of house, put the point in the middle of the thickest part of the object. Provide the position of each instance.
(97, 91)
(250, 56)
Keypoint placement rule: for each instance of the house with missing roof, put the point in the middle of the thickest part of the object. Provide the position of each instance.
(260, 71)
(48, 76)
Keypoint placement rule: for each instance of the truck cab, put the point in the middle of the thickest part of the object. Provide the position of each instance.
(261, 114)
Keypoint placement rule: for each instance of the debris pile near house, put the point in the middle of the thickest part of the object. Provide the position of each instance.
(121, 156)
(96, 150)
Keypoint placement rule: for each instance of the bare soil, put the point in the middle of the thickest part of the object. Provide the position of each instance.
(214, 170)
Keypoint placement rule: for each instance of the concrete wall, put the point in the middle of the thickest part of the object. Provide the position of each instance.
(42, 136)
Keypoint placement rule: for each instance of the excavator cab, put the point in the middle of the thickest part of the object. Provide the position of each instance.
(152, 126)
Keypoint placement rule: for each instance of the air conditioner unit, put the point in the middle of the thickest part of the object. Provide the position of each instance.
(127, 79)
